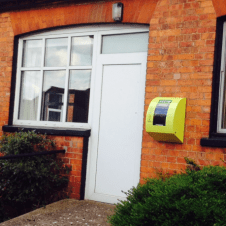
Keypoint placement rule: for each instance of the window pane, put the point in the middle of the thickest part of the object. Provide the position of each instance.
(56, 52)
(223, 124)
(53, 95)
(81, 51)
(54, 116)
(29, 95)
(32, 52)
(125, 43)
(78, 96)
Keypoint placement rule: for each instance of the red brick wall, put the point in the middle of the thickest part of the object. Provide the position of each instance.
(20, 22)
(180, 64)
(73, 158)
(6, 53)
(99, 12)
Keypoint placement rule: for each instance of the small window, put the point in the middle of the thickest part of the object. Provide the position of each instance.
(125, 43)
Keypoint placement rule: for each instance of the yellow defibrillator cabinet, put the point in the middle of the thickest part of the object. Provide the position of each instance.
(165, 119)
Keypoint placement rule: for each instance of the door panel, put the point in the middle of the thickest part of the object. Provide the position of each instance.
(119, 140)
(116, 136)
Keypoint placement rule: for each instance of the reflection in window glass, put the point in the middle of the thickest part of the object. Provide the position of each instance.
(78, 96)
(32, 53)
(125, 43)
(54, 116)
(52, 94)
(56, 52)
(82, 51)
(29, 95)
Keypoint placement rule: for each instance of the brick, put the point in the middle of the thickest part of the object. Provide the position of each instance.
(173, 167)
(206, 62)
(171, 159)
(69, 155)
(209, 55)
(210, 42)
(76, 173)
(148, 157)
(205, 10)
(185, 56)
(145, 151)
(203, 69)
(205, 89)
(79, 145)
(207, 23)
(186, 44)
(201, 76)
(168, 82)
(76, 167)
(206, 4)
(160, 158)
(156, 164)
(154, 21)
(155, 45)
(190, 18)
(173, 32)
(195, 122)
(76, 162)
(207, 49)
(200, 43)
(153, 83)
(186, 69)
(207, 16)
(181, 160)
(144, 163)
(206, 122)
(170, 44)
(145, 169)
(165, 165)
(188, 30)
(155, 58)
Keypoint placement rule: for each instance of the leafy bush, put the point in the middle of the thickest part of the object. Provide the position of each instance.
(196, 198)
(29, 182)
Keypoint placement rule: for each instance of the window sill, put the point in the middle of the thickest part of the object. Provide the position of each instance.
(49, 130)
(213, 142)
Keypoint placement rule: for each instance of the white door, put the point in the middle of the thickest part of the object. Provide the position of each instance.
(116, 135)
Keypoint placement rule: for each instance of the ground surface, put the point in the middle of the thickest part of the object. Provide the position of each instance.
(66, 212)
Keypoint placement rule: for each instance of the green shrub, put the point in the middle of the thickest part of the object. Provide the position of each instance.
(29, 182)
(196, 198)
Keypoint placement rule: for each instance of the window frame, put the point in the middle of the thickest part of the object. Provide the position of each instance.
(97, 31)
(217, 85)
(222, 86)
(217, 136)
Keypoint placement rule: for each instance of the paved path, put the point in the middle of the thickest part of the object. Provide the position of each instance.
(66, 212)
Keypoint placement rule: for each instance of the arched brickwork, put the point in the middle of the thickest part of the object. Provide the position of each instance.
(31, 20)
(220, 7)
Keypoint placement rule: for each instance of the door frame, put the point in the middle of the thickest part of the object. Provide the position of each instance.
(129, 58)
